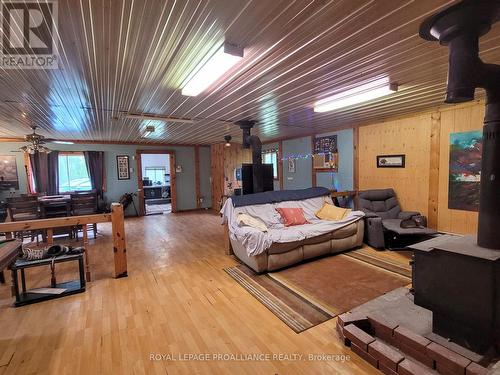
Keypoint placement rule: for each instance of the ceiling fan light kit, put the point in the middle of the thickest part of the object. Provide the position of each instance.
(35, 143)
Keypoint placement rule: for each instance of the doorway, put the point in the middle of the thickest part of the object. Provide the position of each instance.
(156, 182)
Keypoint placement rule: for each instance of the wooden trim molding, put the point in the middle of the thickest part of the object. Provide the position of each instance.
(140, 187)
(355, 157)
(197, 175)
(313, 171)
(280, 164)
(433, 203)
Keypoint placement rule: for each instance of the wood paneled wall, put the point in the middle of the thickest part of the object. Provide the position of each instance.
(223, 162)
(458, 120)
(425, 140)
(409, 136)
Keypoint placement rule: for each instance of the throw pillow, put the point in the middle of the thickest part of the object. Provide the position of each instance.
(292, 216)
(33, 254)
(332, 212)
(245, 219)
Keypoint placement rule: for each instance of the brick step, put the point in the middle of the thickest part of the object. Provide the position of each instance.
(394, 349)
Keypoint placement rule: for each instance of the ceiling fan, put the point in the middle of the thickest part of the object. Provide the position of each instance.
(35, 142)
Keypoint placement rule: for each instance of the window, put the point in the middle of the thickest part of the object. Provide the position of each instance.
(271, 158)
(73, 173)
(156, 174)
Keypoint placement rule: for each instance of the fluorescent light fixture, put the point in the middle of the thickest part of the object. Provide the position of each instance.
(150, 116)
(150, 129)
(212, 69)
(360, 94)
(64, 142)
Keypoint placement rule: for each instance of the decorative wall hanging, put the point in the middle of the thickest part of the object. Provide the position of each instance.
(391, 161)
(325, 153)
(465, 170)
(291, 165)
(123, 167)
(8, 172)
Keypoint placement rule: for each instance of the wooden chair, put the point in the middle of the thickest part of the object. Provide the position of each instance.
(24, 208)
(84, 203)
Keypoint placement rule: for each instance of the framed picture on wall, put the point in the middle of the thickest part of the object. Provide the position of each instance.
(8, 172)
(391, 161)
(326, 154)
(291, 165)
(123, 167)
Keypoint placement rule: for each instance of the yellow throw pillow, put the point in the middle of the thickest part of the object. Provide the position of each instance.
(331, 212)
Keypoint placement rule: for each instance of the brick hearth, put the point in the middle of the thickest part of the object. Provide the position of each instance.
(395, 349)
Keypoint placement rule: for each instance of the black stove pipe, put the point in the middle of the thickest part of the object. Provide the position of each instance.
(459, 27)
(252, 141)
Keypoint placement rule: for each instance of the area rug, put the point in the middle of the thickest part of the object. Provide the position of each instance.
(311, 293)
(395, 261)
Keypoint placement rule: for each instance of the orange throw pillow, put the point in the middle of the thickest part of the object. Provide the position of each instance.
(292, 216)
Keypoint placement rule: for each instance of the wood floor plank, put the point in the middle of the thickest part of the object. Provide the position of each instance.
(176, 301)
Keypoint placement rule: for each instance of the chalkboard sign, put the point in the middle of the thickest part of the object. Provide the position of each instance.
(325, 153)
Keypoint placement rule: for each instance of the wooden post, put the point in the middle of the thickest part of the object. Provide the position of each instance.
(119, 250)
(356, 165)
(433, 203)
(85, 245)
(227, 242)
(197, 176)
(50, 236)
(280, 164)
(313, 171)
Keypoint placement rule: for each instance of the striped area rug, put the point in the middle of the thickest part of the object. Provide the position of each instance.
(395, 261)
(311, 293)
(293, 309)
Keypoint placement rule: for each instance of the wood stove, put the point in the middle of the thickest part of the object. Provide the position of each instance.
(458, 281)
(458, 278)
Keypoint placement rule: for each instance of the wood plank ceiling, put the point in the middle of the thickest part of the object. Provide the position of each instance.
(132, 56)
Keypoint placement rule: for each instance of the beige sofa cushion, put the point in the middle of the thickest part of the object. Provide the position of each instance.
(277, 261)
(346, 231)
(283, 247)
(317, 249)
(318, 239)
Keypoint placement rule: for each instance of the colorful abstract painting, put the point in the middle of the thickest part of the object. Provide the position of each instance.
(465, 170)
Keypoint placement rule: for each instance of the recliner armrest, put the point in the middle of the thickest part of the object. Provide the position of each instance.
(404, 215)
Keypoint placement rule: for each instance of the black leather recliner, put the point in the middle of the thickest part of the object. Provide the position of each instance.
(384, 216)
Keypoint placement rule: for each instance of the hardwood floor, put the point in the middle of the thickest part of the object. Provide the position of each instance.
(176, 301)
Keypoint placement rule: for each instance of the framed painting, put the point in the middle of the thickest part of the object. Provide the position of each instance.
(291, 165)
(391, 161)
(325, 153)
(465, 170)
(8, 172)
(123, 167)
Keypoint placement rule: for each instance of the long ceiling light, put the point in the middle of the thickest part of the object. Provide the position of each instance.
(150, 116)
(360, 94)
(223, 59)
